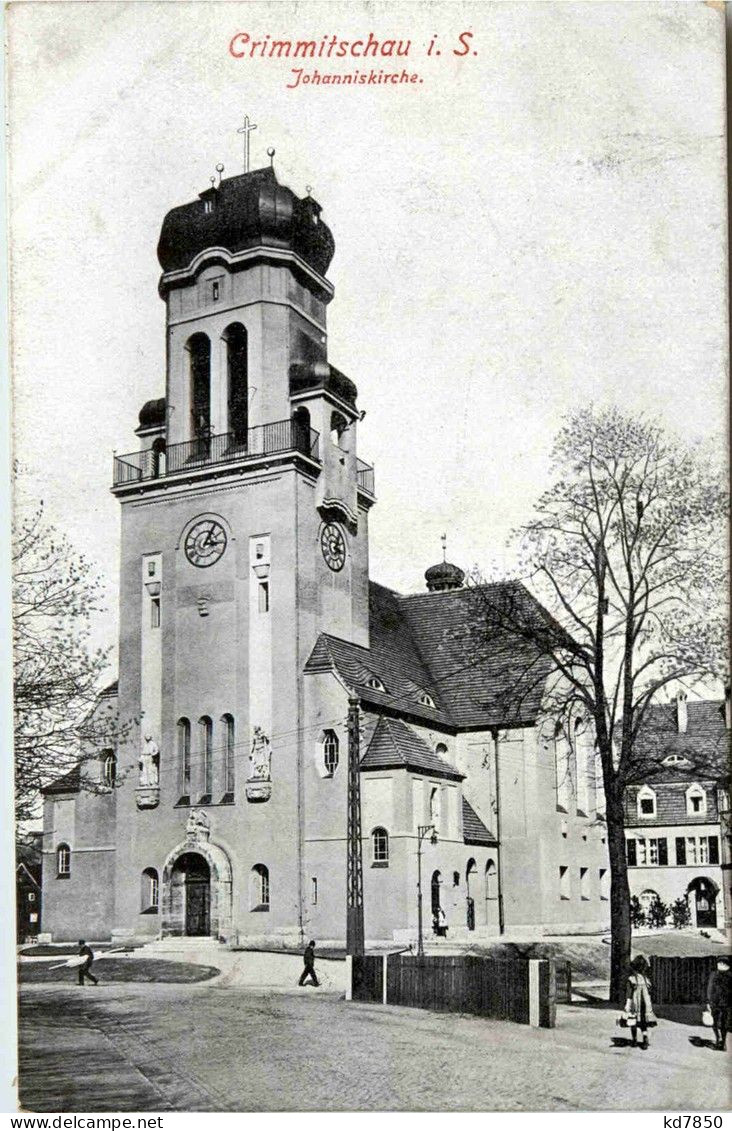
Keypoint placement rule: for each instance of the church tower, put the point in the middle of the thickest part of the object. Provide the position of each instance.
(244, 536)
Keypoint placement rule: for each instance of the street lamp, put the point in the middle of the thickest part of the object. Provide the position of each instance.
(422, 831)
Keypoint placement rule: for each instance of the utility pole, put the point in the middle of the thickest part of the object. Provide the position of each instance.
(354, 866)
(499, 876)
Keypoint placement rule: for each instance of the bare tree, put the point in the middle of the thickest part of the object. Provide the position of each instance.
(627, 551)
(56, 674)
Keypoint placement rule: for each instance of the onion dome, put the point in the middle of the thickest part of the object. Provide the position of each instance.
(247, 211)
(444, 576)
(308, 376)
(152, 414)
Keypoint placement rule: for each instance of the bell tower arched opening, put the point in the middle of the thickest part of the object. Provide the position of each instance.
(198, 347)
(237, 382)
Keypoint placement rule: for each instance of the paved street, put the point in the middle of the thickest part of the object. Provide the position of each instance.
(219, 1047)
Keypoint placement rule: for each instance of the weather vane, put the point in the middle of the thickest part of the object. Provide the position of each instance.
(443, 539)
(246, 129)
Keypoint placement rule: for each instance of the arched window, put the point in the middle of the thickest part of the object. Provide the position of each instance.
(199, 364)
(338, 427)
(227, 721)
(435, 902)
(205, 730)
(471, 872)
(184, 755)
(109, 767)
(235, 337)
(646, 802)
(63, 860)
(441, 750)
(426, 700)
(330, 751)
(301, 429)
(491, 880)
(157, 455)
(380, 848)
(149, 891)
(259, 888)
(435, 807)
(563, 767)
(581, 755)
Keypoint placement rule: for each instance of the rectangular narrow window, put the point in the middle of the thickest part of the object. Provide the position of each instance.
(680, 850)
(703, 850)
(652, 857)
(604, 885)
(564, 884)
(314, 890)
(662, 850)
(713, 850)
(263, 591)
(155, 612)
(584, 883)
(215, 290)
(632, 854)
(640, 846)
(691, 850)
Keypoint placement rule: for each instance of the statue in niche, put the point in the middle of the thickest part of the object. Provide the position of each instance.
(260, 757)
(198, 826)
(149, 762)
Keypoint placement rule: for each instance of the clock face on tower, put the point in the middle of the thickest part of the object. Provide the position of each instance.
(205, 543)
(333, 545)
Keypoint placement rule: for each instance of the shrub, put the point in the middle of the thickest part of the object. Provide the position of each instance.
(637, 914)
(681, 912)
(657, 912)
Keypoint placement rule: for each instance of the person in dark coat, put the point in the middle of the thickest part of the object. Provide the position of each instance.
(85, 969)
(719, 1001)
(639, 1007)
(309, 970)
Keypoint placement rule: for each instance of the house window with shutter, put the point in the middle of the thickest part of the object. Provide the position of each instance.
(680, 850)
(632, 855)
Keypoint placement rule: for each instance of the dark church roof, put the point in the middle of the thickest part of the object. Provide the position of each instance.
(395, 745)
(251, 210)
(705, 745)
(441, 645)
(474, 831)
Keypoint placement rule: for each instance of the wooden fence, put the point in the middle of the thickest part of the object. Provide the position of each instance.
(680, 980)
(523, 991)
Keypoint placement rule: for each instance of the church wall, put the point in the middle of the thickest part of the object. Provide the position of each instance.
(206, 671)
(79, 905)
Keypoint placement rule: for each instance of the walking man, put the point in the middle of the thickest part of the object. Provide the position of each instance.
(309, 970)
(87, 954)
(719, 1001)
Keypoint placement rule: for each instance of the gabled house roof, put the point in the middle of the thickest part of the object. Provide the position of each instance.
(29, 872)
(69, 783)
(442, 645)
(474, 831)
(705, 745)
(395, 745)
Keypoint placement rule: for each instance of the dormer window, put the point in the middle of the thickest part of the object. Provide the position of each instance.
(676, 760)
(426, 700)
(375, 684)
(696, 801)
(646, 802)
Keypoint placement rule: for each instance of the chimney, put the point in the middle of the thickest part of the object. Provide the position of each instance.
(727, 711)
(682, 715)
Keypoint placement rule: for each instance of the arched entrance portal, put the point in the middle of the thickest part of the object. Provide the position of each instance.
(703, 895)
(191, 883)
(197, 891)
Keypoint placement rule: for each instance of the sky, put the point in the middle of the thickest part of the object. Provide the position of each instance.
(534, 225)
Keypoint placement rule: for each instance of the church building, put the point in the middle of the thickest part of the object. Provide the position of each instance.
(248, 621)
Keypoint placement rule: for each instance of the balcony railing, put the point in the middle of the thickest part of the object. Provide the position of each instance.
(228, 447)
(365, 473)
